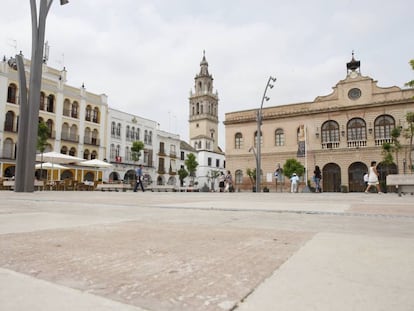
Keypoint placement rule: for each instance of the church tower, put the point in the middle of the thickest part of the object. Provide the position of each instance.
(203, 119)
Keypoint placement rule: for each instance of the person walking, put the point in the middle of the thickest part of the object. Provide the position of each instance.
(229, 183)
(294, 180)
(373, 178)
(138, 173)
(317, 176)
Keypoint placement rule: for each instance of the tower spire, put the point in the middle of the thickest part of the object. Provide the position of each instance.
(204, 66)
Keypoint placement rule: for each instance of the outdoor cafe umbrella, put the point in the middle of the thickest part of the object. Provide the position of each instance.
(97, 164)
(56, 157)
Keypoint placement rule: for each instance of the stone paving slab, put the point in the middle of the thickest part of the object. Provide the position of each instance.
(341, 273)
(168, 267)
(22, 292)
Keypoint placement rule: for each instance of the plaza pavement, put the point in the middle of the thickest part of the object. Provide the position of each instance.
(206, 251)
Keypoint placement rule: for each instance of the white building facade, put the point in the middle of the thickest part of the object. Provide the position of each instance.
(159, 157)
(76, 118)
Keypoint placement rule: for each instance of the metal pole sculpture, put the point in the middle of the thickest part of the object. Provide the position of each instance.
(259, 134)
(29, 105)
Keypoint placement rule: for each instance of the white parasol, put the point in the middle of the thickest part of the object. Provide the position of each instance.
(56, 157)
(49, 165)
(96, 163)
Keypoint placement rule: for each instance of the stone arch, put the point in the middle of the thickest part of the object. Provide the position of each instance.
(356, 172)
(331, 178)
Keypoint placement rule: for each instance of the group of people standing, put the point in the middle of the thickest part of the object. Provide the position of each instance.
(317, 177)
(370, 179)
(226, 182)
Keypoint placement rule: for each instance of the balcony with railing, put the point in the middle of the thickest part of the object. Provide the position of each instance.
(381, 141)
(91, 141)
(330, 145)
(70, 137)
(70, 113)
(357, 143)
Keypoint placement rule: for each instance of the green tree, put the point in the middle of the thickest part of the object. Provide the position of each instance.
(409, 134)
(251, 172)
(411, 83)
(409, 131)
(136, 148)
(293, 166)
(393, 147)
(182, 174)
(41, 144)
(191, 164)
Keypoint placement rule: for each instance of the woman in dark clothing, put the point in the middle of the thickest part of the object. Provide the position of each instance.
(317, 176)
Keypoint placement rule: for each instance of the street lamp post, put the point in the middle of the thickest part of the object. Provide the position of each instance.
(259, 132)
(29, 105)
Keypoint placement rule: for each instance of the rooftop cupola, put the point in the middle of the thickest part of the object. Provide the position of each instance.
(353, 65)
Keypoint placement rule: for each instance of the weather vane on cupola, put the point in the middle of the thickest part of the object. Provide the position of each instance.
(353, 67)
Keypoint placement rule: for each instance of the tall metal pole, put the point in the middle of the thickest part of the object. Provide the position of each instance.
(29, 105)
(258, 148)
(259, 134)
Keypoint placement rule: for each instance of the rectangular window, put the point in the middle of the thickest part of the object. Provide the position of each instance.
(182, 156)
(217, 162)
(161, 167)
(209, 161)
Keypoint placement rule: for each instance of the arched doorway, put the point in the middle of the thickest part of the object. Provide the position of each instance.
(89, 176)
(356, 172)
(114, 176)
(147, 180)
(172, 181)
(160, 180)
(66, 174)
(130, 176)
(331, 178)
(9, 171)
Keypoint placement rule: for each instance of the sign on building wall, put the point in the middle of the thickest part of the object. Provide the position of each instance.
(301, 142)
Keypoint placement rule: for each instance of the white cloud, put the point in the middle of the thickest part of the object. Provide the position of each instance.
(144, 54)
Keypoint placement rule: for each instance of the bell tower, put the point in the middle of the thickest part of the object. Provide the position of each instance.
(203, 111)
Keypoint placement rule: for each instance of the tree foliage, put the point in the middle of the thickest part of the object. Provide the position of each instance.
(252, 175)
(409, 131)
(411, 83)
(409, 134)
(42, 136)
(293, 166)
(388, 148)
(191, 164)
(41, 143)
(137, 147)
(182, 174)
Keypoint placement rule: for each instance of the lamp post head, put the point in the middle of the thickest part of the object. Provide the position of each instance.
(63, 2)
(273, 79)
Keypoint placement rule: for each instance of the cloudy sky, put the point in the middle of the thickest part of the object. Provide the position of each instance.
(144, 54)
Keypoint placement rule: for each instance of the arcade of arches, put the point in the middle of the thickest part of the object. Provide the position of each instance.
(331, 176)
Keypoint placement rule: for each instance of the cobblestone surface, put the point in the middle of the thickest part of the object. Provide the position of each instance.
(168, 267)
